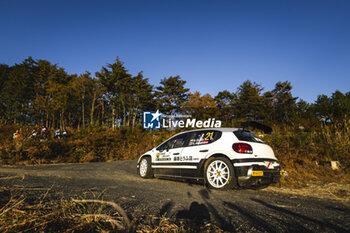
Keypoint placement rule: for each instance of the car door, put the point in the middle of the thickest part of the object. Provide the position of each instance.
(198, 147)
(165, 163)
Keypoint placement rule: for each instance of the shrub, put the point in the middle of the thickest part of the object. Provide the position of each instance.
(297, 150)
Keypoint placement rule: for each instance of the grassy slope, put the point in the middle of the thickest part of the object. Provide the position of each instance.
(297, 150)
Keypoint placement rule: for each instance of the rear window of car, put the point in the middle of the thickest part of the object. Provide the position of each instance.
(203, 137)
(247, 136)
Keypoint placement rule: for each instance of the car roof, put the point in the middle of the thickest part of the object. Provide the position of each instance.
(217, 129)
(194, 130)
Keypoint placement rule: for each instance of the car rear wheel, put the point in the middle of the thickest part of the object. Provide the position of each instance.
(145, 170)
(219, 173)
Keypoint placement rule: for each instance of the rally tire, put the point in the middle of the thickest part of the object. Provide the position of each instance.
(219, 173)
(145, 170)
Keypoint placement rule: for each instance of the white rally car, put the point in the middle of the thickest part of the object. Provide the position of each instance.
(223, 157)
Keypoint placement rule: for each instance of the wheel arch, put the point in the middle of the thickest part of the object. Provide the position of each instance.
(216, 155)
(233, 182)
(143, 156)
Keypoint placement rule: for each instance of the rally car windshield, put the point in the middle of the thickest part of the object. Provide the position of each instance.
(247, 136)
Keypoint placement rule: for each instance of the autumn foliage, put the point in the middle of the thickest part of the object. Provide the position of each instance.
(103, 116)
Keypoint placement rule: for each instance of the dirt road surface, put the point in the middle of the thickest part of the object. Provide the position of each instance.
(234, 210)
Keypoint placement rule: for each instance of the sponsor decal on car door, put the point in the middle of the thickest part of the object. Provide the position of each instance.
(164, 160)
(197, 149)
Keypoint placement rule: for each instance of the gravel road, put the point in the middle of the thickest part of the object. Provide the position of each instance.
(234, 210)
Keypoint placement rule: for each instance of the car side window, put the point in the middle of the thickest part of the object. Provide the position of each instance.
(179, 141)
(163, 146)
(176, 142)
(203, 137)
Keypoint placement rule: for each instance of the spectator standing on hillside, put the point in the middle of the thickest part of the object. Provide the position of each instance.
(64, 133)
(328, 120)
(57, 133)
(16, 134)
(34, 133)
(323, 120)
(43, 132)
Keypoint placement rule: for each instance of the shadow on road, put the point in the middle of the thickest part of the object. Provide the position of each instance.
(324, 224)
(166, 208)
(257, 222)
(220, 220)
(334, 208)
(204, 193)
(256, 219)
(197, 215)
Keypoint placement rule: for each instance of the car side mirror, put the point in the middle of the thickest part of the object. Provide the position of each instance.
(167, 148)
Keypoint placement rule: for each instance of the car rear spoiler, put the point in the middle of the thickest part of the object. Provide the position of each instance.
(256, 125)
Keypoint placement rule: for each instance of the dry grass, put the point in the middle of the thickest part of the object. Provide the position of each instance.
(301, 152)
(336, 191)
(298, 151)
(18, 214)
(89, 145)
(121, 222)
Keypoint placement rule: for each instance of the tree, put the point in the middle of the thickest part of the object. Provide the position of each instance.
(283, 102)
(225, 102)
(87, 92)
(114, 78)
(302, 111)
(141, 97)
(201, 107)
(128, 95)
(340, 104)
(249, 101)
(95, 95)
(4, 73)
(322, 105)
(52, 91)
(18, 92)
(171, 94)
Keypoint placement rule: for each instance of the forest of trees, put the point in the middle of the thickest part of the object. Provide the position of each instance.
(37, 92)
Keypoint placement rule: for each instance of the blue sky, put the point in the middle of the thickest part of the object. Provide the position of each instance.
(213, 45)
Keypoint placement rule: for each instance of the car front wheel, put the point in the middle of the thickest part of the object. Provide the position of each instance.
(219, 173)
(145, 170)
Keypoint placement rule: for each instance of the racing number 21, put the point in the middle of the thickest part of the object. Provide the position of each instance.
(209, 136)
